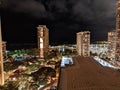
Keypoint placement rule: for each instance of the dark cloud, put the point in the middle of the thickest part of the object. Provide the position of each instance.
(86, 9)
(69, 15)
(30, 7)
(95, 10)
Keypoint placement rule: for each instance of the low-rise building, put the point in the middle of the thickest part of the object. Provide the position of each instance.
(99, 48)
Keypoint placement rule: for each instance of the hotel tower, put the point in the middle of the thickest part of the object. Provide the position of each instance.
(43, 40)
(1, 59)
(111, 45)
(83, 43)
(118, 32)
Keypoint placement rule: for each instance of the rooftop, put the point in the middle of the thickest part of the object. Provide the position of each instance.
(88, 74)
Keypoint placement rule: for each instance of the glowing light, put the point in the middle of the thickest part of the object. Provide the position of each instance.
(66, 60)
(104, 63)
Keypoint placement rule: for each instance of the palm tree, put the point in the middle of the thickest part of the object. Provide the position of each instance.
(33, 86)
(2, 87)
(43, 73)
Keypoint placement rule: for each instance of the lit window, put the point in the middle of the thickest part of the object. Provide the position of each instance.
(41, 45)
(41, 39)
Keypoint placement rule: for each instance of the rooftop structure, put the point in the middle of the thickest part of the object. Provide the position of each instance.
(66, 61)
(88, 74)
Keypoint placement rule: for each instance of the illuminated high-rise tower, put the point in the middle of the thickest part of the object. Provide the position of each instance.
(118, 32)
(43, 40)
(111, 45)
(83, 43)
(1, 59)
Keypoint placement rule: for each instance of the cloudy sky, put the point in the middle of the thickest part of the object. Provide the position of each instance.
(64, 18)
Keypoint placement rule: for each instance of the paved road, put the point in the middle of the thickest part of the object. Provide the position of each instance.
(87, 74)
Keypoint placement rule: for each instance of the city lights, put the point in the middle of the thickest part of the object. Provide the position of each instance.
(62, 52)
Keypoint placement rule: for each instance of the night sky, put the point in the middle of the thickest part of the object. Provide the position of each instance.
(64, 18)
